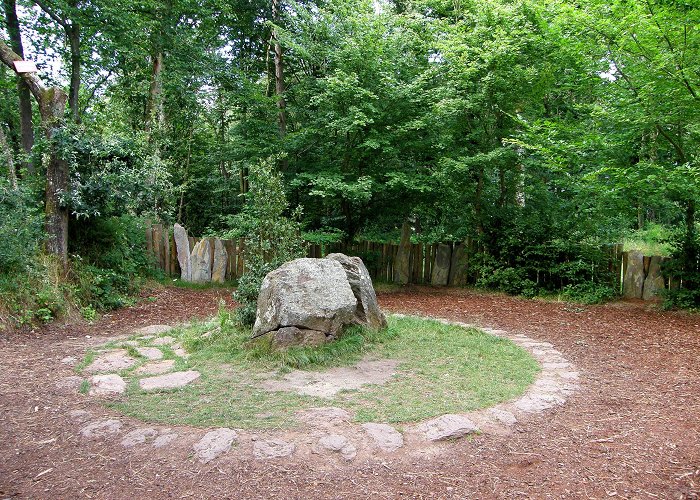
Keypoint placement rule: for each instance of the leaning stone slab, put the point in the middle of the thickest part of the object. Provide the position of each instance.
(169, 381)
(214, 443)
(272, 448)
(153, 330)
(101, 428)
(155, 367)
(151, 353)
(384, 436)
(335, 443)
(139, 436)
(448, 427)
(112, 361)
(106, 385)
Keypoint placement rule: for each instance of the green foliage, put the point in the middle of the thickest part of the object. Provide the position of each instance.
(271, 238)
(20, 228)
(684, 268)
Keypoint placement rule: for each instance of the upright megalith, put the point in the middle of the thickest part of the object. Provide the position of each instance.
(218, 271)
(441, 267)
(310, 301)
(402, 264)
(182, 244)
(201, 262)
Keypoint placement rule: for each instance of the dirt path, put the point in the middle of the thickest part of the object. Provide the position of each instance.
(632, 430)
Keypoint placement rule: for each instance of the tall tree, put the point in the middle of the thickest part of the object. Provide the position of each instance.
(25, 100)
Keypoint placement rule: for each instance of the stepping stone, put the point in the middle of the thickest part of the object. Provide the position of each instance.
(101, 428)
(324, 416)
(139, 436)
(214, 443)
(155, 367)
(105, 385)
(112, 361)
(79, 415)
(69, 385)
(503, 416)
(272, 448)
(336, 443)
(179, 350)
(131, 343)
(164, 440)
(153, 330)
(169, 381)
(151, 353)
(448, 427)
(70, 360)
(384, 436)
(167, 340)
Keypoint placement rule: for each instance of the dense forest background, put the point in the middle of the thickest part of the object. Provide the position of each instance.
(536, 129)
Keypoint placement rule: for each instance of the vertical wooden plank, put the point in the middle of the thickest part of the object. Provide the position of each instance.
(241, 253)
(158, 245)
(419, 263)
(166, 252)
(149, 239)
(231, 264)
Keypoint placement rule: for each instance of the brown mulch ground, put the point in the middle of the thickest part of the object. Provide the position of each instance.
(631, 431)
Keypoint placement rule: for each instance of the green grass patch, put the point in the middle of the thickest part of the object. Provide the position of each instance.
(441, 369)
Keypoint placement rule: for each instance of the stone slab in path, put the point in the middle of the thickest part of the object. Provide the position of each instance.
(164, 440)
(153, 330)
(69, 385)
(448, 427)
(167, 340)
(335, 443)
(384, 436)
(272, 448)
(101, 428)
(169, 381)
(152, 353)
(111, 361)
(106, 385)
(139, 436)
(155, 367)
(214, 443)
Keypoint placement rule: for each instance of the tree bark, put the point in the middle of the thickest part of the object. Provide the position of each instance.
(25, 98)
(279, 81)
(52, 106)
(73, 34)
(154, 104)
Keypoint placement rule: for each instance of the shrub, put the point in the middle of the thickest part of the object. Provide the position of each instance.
(271, 238)
(20, 228)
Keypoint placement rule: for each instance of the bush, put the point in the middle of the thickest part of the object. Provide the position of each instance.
(271, 238)
(20, 228)
(588, 293)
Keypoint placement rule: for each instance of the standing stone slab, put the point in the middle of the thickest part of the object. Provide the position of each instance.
(459, 266)
(384, 436)
(218, 273)
(367, 312)
(448, 427)
(441, 268)
(201, 262)
(214, 443)
(654, 282)
(182, 243)
(633, 284)
(402, 264)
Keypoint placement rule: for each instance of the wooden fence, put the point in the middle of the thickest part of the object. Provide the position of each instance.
(450, 264)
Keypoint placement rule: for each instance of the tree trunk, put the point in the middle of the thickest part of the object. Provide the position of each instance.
(154, 104)
(73, 34)
(7, 152)
(279, 73)
(25, 99)
(52, 106)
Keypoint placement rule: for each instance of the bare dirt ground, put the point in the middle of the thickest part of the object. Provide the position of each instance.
(631, 431)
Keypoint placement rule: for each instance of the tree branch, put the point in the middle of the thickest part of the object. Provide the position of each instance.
(8, 57)
(49, 12)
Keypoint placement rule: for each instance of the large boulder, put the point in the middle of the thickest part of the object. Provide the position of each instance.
(367, 312)
(311, 301)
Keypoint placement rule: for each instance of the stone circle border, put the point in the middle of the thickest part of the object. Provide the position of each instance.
(556, 381)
